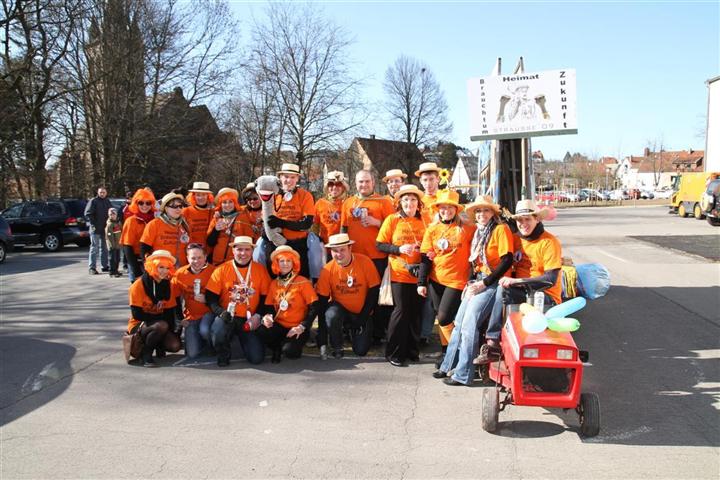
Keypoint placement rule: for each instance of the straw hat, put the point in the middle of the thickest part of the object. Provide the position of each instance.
(525, 208)
(249, 188)
(170, 197)
(483, 201)
(337, 176)
(200, 187)
(447, 197)
(158, 254)
(395, 172)
(405, 189)
(427, 167)
(284, 249)
(227, 191)
(242, 240)
(339, 240)
(289, 168)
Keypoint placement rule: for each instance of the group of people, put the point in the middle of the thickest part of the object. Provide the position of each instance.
(193, 271)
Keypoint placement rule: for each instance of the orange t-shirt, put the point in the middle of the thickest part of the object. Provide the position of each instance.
(535, 257)
(132, 231)
(333, 282)
(499, 244)
(224, 278)
(198, 220)
(253, 218)
(399, 231)
(163, 236)
(427, 212)
(450, 266)
(353, 209)
(299, 206)
(138, 298)
(221, 251)
(299, 295)
(184, 282)
(327, 215)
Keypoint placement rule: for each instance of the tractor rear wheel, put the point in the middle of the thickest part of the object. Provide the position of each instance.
(490, 409)
(589, 411)
(697, 212)
(681, 211)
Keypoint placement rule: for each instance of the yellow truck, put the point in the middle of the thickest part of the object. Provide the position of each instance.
(690, 188)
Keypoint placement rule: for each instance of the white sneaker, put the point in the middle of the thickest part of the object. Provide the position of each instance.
(323, 352)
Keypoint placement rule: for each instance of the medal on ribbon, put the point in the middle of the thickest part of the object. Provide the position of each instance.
(357, 212)
(283, 305)
(288, 196)
(443, 244)
(350, 281)
(184, 237)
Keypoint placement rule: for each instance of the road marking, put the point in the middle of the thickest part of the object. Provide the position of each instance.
(612, 256)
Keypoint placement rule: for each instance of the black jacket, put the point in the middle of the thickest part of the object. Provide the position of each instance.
(96, 213)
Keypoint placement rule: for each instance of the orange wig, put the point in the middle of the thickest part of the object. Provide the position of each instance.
(291, 254)
(154, 261)
(142, 194)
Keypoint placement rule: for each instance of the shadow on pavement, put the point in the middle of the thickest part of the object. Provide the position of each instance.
(26, 259)
(34, 372)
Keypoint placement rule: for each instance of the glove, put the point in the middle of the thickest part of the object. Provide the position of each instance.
(275, 222)
(226, 317)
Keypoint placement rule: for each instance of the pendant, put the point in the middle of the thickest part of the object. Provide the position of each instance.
(335, 216)
(350, 281)
(283, 305)
(357, 212)
(250, 292)
(443, 244)
(288, 196)
(228, 232)
(184, 237)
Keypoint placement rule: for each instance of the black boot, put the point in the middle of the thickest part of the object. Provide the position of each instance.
(276, 355)
(147, 358)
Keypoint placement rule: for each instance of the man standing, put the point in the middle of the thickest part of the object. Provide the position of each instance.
(347, 290)
(429, 175)
(236, 294)
(361, 218)
(96, 214)
(199, 212)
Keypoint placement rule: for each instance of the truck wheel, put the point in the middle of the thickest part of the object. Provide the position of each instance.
(697, 212)
(681, 211)
(589, 411)
(52, 242)
(715, 222)
(3, 251)
(490, 409)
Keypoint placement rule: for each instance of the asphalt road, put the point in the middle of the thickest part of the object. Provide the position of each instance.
(71, 407)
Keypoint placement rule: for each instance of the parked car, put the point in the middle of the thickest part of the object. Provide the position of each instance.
(567, 197)
(6, 239)
(647, 194)
(51, 223)
(589, 194)
(664, 193)
(710, 203)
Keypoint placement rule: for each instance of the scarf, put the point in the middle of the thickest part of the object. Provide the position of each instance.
(170, 221)
(480, 241)
(157, 291)
(145, 217)
(228, 214)
(535, 234)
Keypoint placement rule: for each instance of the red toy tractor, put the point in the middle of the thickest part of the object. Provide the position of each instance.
(543, 370)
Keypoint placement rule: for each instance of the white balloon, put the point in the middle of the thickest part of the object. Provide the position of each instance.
(534, 322)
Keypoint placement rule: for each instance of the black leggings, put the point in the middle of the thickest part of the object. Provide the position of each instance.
(276, 338)
(157, 335)
(446, 301)
(403, 332)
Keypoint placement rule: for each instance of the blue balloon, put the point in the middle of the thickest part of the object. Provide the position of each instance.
(566, 308)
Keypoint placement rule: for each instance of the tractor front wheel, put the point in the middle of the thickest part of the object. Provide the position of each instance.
(697, 212)
(589, 411)
(681, 211)
(490, 409)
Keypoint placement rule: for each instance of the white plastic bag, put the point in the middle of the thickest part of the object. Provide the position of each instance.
(385, 297)
(316, 255)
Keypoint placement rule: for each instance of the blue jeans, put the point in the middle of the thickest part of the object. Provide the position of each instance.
(97, 241)
(361, 331)
(221, 334)
(427, 314)
(197, 334)
(515, 296)
(465, 338)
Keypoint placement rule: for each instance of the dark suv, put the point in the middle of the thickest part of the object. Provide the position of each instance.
(710, 203)
(6, 239)
(51, 223)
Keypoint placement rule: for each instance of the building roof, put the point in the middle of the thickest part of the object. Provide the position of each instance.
(684, 160)
(384, 152)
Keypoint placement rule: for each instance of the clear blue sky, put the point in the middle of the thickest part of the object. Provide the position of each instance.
(641, 66)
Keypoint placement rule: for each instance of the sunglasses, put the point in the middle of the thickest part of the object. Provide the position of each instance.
(335, 184)
(145, 203)
(252, 199)
(175, 205)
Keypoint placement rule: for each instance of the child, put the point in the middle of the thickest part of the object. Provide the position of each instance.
(113, 229)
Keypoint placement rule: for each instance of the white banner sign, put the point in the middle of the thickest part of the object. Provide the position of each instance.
(522, 105)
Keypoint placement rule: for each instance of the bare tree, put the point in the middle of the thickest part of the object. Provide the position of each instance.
(304, 57)
(415, 102)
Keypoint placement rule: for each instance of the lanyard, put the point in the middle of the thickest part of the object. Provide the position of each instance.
(244, 282)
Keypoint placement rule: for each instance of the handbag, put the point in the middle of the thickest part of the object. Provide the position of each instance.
(385, 297)
(133, 343)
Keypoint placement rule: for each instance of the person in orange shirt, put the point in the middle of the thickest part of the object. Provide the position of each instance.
(361, 218)
(539, 259)
(400, 236)
(227, 223)
(152, 307)
(393, 180)
(429, 176)
(252, 210)
(445, 270)
(199, 211)
(328, 208)
(294, 213)
(190, 282)
(491, 258)
(169, 231)
(347, 291)
(236, 295)
(140, 213)
(292, 302)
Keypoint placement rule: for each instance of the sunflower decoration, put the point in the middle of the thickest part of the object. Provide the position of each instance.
(444, 176)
